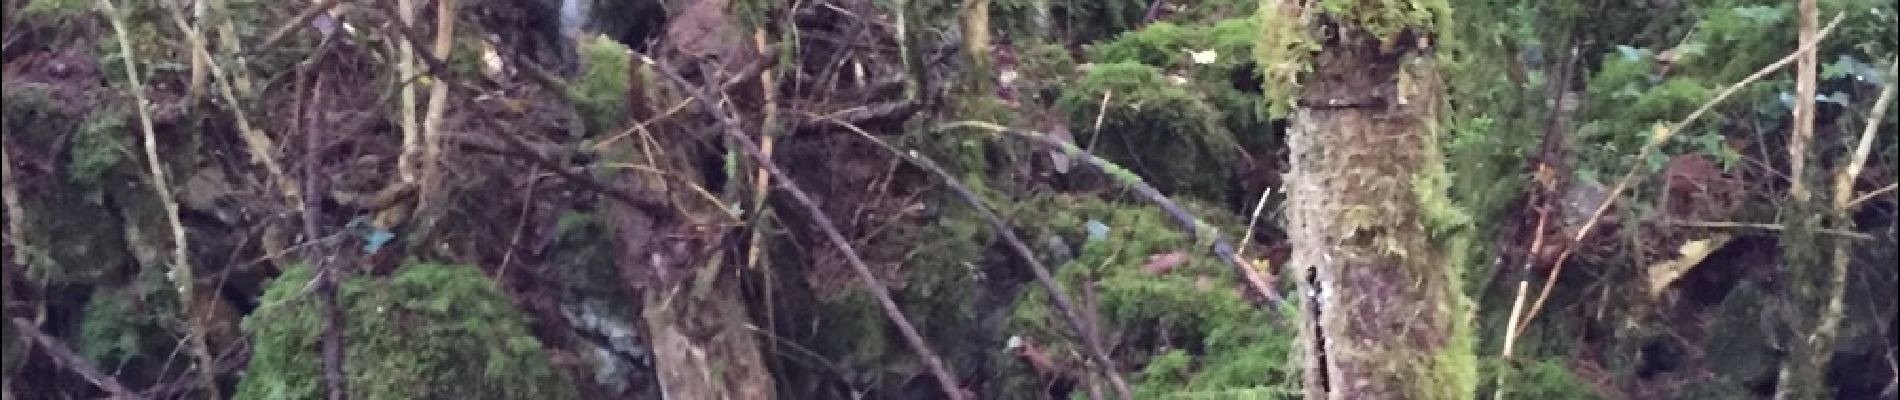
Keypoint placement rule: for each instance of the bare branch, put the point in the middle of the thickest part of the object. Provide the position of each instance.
(181, 271)
(730, 127)
(1091, 340)
(64, 355)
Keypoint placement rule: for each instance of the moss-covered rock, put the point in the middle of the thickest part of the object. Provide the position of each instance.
(1159, 129)
(600, 92)
(429, 331)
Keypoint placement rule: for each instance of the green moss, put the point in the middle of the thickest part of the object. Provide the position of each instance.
(71, 233)
(98, 146)
(1286, 42)
(59, 10)
(429, 331)
(1207, 338)
(125, 324)
(1073, 21)
(1162, 131)
(1544, 379)
(600, 92)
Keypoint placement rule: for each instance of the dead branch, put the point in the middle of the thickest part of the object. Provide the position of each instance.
(1767, 227)
(1090, 339)
(1256, 284)
(258, 143)
(431, 135)
(181, 250)
(731, 128)
(334, 320)
(64, 356)
(1864, 197)
(303, 17)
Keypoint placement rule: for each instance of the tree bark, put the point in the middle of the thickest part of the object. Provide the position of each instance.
(1381, 309)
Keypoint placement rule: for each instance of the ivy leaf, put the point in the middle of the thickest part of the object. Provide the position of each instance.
(377, 239)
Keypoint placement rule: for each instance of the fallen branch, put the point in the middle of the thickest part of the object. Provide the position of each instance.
(1654, 143)
(64, 356)
(1256, 284)
(730, 127)
(1090, 339)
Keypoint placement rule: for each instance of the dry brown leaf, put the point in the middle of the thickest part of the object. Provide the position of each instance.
(1160, 264)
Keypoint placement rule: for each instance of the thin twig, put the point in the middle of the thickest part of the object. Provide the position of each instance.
(1255, 283)
(1630, 177)
(1768, 227)
(1858, 201)
(768, 132)
(64, 355)
(1246, 239)
(181, 272)
(1090, 339)
(730, 127)
(302, 18)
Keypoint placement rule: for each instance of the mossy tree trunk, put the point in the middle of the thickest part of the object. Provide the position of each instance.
(1380, 320)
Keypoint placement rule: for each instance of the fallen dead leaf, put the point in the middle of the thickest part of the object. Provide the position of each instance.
(1160, 264)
